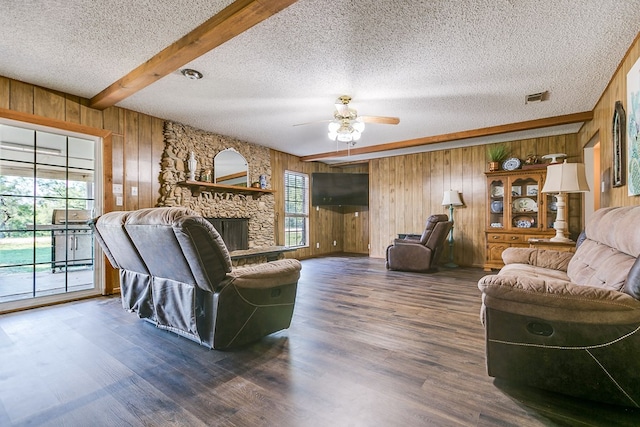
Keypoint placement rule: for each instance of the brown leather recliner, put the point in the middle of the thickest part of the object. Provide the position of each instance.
(175, 272)
(420, 254)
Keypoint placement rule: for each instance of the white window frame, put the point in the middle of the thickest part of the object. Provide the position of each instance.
(298, 214)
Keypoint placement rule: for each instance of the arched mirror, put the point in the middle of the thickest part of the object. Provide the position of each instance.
(230, 168)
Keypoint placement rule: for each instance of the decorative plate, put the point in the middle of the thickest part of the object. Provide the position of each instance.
(523, 221)
(497, 191)
(525, 204)
(511, 164)
(496, 206)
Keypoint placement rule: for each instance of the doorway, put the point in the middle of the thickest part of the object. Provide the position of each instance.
(49, 189)
(595, 178)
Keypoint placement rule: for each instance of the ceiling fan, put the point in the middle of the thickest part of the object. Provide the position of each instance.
(347, 126)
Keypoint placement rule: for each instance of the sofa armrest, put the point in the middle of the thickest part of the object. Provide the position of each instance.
(555, 260)
(266, 275)
(407, 241)
(557, 300)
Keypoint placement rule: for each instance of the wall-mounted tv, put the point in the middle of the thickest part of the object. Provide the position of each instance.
(339, 189)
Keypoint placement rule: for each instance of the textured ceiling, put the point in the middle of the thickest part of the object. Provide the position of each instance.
(441, 66)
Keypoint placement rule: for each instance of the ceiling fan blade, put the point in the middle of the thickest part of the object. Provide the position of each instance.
(311, 123)
(380, 120)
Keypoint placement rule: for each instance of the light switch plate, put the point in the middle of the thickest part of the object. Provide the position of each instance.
(117, 188)
(134, 191)
(119, 201)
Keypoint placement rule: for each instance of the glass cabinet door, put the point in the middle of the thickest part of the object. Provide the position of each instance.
(524, 205)
(496, 204)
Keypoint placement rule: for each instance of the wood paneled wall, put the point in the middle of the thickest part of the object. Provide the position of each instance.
(405, 190)
(136, 141)
(326, 224)
(355, 220)
(600, 127)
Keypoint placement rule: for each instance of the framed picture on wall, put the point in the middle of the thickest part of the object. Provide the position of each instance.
(618, 134)
(633, 129)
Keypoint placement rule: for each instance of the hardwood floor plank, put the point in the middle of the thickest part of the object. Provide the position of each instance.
(366, 347)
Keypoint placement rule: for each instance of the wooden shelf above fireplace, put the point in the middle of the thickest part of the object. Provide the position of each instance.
(199, 186)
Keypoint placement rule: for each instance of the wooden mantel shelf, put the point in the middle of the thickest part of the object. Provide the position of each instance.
(198, 186)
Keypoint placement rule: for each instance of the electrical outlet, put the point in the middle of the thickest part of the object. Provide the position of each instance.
(318, 208)
(335, 243)
(368, 246)
(356, 214)
(119, 201)
(134, 191)
(117, 188)
(317, 245)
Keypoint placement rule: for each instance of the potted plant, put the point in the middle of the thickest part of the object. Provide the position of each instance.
(496, 154)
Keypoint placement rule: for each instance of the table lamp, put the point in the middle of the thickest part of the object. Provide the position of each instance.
(564, 178)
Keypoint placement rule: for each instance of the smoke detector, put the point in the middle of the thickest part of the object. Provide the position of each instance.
(536, 97)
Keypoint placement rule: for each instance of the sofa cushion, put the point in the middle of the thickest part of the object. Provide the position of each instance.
(596, 264)
(611, 226)
(533, 271)
(609, 250)
(539, 257)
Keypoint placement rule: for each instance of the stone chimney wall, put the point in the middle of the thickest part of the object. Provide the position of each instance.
(180, 141)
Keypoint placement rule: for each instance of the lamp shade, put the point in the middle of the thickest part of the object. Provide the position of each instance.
(566, 178)
(451, 197)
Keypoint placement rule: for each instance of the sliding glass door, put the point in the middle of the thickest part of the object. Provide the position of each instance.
(48, 191)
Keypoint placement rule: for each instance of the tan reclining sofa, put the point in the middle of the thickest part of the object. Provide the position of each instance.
(570, 322)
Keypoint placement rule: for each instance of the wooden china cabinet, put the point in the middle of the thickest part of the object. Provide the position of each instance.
(516, 212)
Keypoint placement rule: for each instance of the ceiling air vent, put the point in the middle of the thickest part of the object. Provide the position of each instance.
(536, 97)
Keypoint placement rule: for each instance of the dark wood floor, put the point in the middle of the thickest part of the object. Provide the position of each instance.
(367, 347)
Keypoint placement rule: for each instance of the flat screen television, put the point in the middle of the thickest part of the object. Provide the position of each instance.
(339, 189)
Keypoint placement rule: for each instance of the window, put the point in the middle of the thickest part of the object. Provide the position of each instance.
(296, 209)
(47, 193)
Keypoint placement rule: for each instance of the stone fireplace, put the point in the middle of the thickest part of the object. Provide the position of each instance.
(234, 231)
(258, 210)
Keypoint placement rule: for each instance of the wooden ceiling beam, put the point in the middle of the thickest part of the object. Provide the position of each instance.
(455, 136)
(222, 27)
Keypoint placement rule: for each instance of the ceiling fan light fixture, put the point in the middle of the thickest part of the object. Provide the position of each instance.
(345, 130)
(191, 74)
(346, 126)
(344, 137)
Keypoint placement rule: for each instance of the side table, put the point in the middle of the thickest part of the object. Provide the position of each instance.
(555, 246)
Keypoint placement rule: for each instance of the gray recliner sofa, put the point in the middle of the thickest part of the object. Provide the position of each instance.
(175, 272)
(570, 322)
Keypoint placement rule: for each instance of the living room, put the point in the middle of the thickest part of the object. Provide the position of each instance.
(404, 189)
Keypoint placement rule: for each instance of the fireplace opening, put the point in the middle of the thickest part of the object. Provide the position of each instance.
(234, 232)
